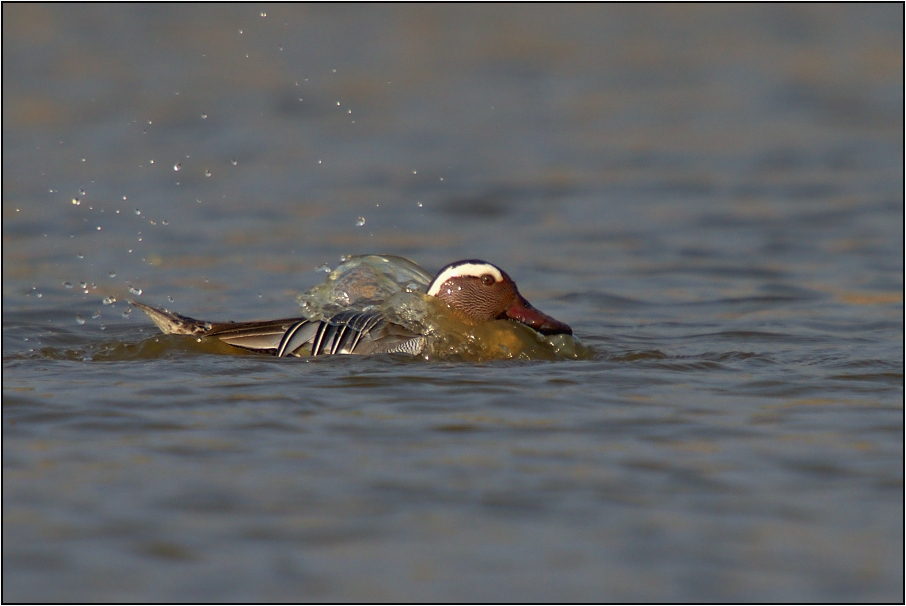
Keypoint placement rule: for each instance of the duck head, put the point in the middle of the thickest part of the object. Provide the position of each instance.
(483, 292)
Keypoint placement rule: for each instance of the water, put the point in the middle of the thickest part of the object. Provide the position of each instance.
(711, 197)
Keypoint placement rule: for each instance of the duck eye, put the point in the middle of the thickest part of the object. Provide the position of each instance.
(487, 279)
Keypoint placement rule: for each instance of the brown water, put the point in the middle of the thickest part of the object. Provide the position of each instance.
(712, 197)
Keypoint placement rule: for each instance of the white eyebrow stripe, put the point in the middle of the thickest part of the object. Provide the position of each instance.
(466, 269)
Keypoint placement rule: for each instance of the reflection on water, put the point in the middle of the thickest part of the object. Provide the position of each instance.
(710, 197)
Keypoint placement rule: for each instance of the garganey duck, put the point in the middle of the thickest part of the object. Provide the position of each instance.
(378, 304)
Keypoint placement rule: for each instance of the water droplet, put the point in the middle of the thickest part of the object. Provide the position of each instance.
(138, 212)
(207, 173)
(319, 161)
(111, 273)
(204, 116)
(151, 161)
(415, 172)
(109, 300)
(324, 267)
(76, 201)
(169, 299)
(39, 295)
(127, 312)
(208, 326)
(83, 285)
(177, 166)
(99, 228)
(80, 256)
(280, 47)
(152, 222)
(360, 221)
(82, 192)
(135, 291)
(263, 14)
(96, 315)
(234, 162)
(420, 204)
(338, 102)
(441, 178)
(149, 121)
(67, 285)
(79, 319)
(240, 31)
(164, 222)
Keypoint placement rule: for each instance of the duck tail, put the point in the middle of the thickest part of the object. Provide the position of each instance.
(172, 323)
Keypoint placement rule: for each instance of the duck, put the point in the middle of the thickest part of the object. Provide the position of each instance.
(473, 291)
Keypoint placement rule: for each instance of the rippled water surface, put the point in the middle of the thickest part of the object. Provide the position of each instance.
(712, 197)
